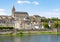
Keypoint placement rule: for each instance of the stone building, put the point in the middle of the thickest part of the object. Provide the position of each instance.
(20, 20)
(6, 21)
(51, 24)
(36, 21)
(20, 16)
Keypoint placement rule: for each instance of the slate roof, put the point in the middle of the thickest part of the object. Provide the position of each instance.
(6, 17)
(21, 13)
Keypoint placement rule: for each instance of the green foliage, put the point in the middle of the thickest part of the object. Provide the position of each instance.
(48, 19)
(55, 19)
(6, 27)
(44, 20)
(55, 25)
(45, 24)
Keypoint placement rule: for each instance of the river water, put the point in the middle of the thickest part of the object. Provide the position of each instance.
(31, 38)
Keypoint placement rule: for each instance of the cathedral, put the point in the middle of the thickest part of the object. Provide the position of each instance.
(20, 20)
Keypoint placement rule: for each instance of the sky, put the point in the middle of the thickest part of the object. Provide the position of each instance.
(45, 8)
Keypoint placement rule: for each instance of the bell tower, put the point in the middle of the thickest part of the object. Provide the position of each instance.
(13, 10)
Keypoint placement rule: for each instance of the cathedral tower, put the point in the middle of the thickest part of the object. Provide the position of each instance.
(13, 11)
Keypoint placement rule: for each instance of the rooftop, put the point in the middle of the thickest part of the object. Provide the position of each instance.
(21, 13)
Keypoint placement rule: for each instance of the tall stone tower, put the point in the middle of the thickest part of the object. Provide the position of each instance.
(13, 11)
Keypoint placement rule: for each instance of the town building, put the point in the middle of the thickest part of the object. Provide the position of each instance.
(6, 21)
(20, 20)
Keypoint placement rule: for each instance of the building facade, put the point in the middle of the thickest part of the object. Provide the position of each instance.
(6, 21)
(20, 20)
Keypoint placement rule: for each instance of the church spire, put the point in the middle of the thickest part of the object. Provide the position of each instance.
(13, 10)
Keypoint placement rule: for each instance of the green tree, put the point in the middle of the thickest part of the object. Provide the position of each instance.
(45, 24)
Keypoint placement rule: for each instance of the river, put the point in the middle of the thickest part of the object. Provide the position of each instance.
(31, 38)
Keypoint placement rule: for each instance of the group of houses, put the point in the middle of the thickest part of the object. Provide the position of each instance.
(21, 20)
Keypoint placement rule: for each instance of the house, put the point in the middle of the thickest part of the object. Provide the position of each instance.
(36, 22)
(6, 21)
(51, 24)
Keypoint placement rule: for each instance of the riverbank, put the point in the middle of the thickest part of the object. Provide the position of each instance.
(21, 33)
(37, 33)
(40, 32)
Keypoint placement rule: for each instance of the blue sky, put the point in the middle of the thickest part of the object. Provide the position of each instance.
(46, 8)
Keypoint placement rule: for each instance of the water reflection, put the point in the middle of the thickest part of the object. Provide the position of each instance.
(58, 38)
(37, 38)
(16, 39)
(21, 39)
(5, 39)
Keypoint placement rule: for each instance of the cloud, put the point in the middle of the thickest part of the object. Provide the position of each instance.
(1, 9)
(36, 3)
(2, 12)
(23, 2)
(56, 10)
(27, 2)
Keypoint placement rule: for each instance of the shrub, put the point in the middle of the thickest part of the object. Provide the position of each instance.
(6, 27)
(45, 25)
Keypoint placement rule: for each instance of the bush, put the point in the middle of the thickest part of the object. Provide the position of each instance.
(45, 25)
(6, 27)
(56, 25)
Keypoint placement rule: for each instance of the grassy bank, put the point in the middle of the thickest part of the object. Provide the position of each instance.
(31, 33)
(35, 33)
